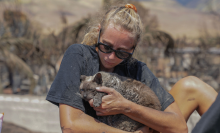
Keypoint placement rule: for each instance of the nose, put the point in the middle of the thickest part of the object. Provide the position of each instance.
(84, 96)
(112, 55)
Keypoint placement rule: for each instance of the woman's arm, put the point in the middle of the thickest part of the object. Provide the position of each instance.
(170, 120)
(73, 120)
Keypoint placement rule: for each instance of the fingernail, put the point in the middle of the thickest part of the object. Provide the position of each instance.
(97, 88)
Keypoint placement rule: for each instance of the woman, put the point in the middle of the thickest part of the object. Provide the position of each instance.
(115, 39)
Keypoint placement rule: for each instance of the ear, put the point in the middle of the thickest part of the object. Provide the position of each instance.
(82, 77)
(98, 78)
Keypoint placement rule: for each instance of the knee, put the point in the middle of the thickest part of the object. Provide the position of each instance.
(188, 84)
(190, 81)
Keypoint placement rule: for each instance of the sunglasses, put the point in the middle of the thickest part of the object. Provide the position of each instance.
(107, 49)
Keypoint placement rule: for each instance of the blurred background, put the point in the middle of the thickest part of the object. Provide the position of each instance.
(181, 38)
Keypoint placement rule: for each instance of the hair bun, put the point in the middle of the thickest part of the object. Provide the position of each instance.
(131, 6)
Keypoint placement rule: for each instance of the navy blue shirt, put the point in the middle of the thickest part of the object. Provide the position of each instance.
(80, 60)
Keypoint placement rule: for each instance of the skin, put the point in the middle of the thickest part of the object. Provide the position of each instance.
(118, 40)
(187, 94)
(71, 118)
(114, 103)
(191, 94)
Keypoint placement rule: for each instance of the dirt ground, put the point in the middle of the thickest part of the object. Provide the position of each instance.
(12, 128)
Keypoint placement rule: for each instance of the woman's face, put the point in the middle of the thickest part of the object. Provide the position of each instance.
(118, 39)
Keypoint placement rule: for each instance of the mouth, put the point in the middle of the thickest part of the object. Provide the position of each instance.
(109, 63)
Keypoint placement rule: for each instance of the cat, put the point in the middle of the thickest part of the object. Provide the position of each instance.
(130, 89)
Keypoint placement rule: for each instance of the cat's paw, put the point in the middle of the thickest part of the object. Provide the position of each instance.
(97, 103)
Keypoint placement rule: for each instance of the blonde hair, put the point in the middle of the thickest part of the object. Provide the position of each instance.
(124, 17)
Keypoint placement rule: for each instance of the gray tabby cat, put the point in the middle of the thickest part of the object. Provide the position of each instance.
(130, 89)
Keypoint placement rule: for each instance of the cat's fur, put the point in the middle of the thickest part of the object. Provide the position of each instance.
(130, 89)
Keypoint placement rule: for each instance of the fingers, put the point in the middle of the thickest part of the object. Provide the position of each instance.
(91, 103)
(98, 113)
(105, 89)
(95, 108)
(144, 129)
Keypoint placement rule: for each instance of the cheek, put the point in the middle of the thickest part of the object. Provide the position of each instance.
(104, 57)
(101, 55)
(117, 61)
(120, 61)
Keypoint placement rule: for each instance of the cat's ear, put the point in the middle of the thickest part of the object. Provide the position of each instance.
(98, 78)
(82, 77)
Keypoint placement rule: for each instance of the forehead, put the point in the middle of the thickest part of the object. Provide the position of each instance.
(117, 36)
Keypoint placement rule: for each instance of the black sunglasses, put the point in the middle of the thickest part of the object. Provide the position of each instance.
(107, 49)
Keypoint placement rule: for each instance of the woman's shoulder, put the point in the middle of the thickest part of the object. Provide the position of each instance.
(143, 66)
(80, 49)
(136, 64)
(138, 69)
(143, 71)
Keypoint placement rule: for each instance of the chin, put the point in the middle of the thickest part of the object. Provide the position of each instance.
(109, 66)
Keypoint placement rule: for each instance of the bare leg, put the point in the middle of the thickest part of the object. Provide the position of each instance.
(191, 93)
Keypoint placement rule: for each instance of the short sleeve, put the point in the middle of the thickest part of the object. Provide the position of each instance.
(65, 87)
(151, 81)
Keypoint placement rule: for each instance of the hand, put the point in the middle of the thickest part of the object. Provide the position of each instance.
(112, 104)
(144, 129)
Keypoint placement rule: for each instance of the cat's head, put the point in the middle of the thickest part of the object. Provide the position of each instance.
(88, 85)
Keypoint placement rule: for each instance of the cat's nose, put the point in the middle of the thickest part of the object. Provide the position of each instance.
(84, 96)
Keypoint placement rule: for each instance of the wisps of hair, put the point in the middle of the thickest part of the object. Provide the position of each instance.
(126, 18)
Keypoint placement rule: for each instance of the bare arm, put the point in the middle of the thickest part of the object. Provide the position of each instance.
(73, 120)
(168, 121)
